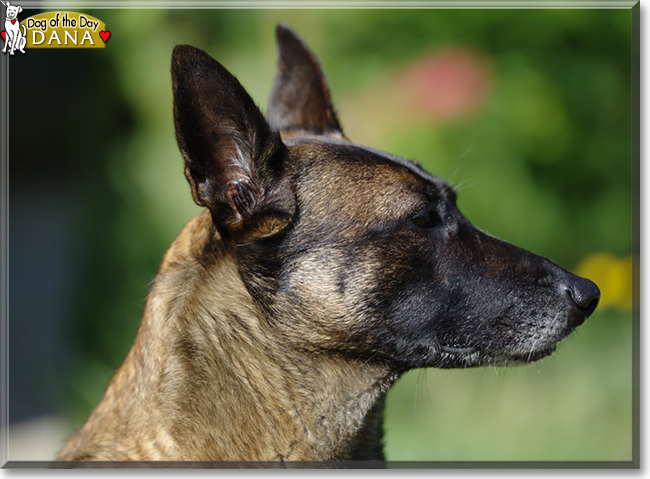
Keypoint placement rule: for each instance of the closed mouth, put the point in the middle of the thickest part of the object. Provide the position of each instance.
(461, 350)
(465, 356)
(474, 356)
(524, 358)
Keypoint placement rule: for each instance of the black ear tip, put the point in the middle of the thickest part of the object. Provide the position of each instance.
(281, 28)
(183, 52)
(186, 59)
(181, 55)
(285, 34)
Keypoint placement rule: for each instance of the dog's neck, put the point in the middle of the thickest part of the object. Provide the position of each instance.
(227, 386)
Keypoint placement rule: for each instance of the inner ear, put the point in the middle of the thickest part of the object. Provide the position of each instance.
(234, 161)
(300, 99)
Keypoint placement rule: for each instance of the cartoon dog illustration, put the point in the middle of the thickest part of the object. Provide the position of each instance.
(14, 38)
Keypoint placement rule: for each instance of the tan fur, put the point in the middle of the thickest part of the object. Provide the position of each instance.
(205, 362)
(320, 271)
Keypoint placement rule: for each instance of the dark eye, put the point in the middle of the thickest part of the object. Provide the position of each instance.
(427, 220)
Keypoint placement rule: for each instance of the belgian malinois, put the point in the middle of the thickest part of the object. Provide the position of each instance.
(319, 272)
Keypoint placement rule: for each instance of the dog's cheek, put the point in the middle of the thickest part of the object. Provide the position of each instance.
(326, 302)
(403, 299)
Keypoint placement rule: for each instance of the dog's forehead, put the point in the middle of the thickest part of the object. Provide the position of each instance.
(351, 158)
(359, 181)
(410, 165)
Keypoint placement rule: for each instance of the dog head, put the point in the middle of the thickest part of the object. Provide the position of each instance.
(13, 11)
(349, 249)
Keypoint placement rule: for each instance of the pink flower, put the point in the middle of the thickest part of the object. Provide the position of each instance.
(450, 83)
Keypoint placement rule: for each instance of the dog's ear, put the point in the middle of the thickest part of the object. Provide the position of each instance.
(300, 98)
(233, 159)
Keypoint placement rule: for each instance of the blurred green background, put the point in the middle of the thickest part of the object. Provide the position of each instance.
(526, 112)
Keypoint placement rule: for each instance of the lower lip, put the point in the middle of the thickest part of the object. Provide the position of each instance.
(525, 359)
(449, 349)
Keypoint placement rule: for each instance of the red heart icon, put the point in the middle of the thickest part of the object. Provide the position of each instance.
(104, 35)
(4, 35)
(13, 21)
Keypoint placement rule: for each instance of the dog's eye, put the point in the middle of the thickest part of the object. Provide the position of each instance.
(427, 220)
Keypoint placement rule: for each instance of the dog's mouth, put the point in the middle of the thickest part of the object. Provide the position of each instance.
(458, 350)
(472, 356)
(457, 356)
(521, 359)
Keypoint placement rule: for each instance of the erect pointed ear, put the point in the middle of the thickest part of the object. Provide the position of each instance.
(300, 99)
(233, 159)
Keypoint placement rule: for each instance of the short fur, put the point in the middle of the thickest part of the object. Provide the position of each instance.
(319, 272)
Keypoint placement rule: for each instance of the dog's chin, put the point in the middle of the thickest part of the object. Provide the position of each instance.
(521, 359)
(470, 357)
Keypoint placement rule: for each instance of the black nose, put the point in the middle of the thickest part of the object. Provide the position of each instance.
(585, 294)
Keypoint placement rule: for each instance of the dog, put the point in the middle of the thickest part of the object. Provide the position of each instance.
(14, 38)
(319, 271)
